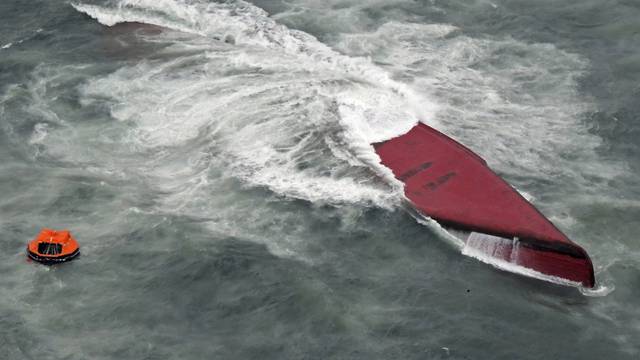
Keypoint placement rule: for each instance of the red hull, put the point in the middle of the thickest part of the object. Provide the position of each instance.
(452, 185)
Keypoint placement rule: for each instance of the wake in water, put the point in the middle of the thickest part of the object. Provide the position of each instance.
(292, 114)
(236, 93)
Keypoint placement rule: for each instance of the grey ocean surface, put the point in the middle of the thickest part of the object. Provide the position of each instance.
(214, 166)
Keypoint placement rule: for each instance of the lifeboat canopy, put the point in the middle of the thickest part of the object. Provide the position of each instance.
(52, 247)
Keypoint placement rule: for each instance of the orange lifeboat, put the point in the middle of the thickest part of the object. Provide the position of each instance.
(52, 247)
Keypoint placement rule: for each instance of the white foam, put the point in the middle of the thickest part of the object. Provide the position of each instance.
(40, 132)
(597, 291)
(121, 14)
(514, 103)
(505, 265)
(250, 25)
(316, 90)
(492, 252)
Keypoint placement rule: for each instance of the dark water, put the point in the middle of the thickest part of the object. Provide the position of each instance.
(217, 173)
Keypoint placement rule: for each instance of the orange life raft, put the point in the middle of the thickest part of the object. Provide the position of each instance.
(52, 247)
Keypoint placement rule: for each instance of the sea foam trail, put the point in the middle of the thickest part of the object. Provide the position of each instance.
(251, 26)
(328, 103)
(503, 98)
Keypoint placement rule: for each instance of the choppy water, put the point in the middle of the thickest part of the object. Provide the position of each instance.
(215, 167)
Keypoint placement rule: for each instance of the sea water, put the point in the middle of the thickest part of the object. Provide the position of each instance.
(213, 160)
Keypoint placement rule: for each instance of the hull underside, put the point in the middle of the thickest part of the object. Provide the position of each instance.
(450, 184)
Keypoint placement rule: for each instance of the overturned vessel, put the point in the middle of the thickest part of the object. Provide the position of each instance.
(447, 182)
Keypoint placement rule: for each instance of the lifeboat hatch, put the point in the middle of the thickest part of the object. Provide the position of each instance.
(49, 248)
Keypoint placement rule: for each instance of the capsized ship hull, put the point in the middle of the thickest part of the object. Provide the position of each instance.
(447, 182)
